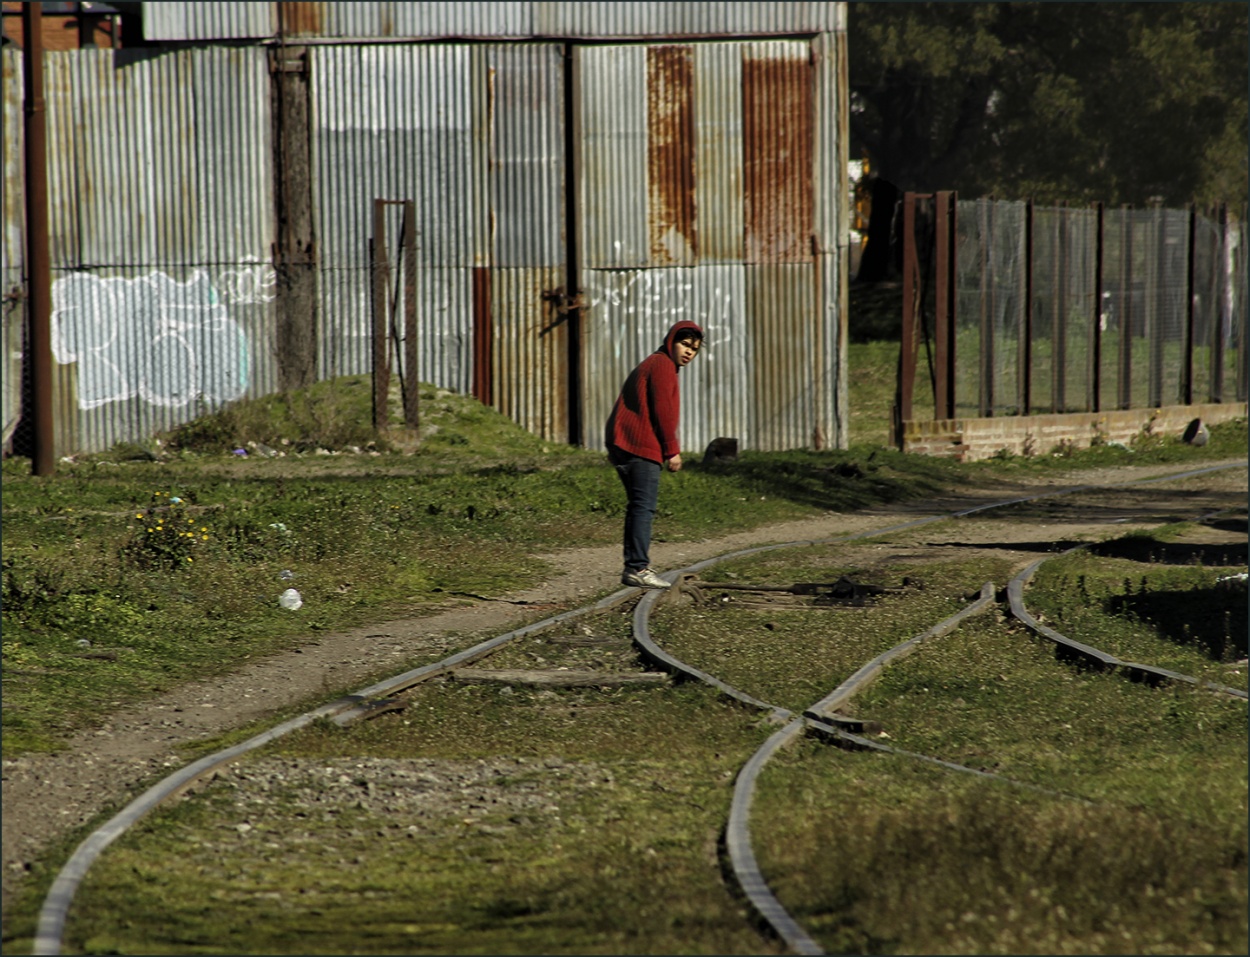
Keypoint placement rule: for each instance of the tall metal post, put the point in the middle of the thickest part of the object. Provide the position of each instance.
(1026, 334)
(38, 266)
(381, 316)
(906, 384)
(944, 333)
(1222, 314)
(412, 378)
(1187, 361)
(1126, 311)
(1095, 330)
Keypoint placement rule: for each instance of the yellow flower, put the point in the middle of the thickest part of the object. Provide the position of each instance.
(205, 537)
(140, 515)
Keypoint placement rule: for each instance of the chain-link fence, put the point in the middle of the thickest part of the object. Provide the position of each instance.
(1020, 309)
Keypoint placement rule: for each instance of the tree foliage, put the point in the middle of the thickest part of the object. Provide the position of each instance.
(1119, 102)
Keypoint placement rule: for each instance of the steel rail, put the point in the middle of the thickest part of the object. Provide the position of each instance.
(1096, 657)
(819, 718)
(54, 911)
(52, 916)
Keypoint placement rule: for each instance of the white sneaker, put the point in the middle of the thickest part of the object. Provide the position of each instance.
(643, 578)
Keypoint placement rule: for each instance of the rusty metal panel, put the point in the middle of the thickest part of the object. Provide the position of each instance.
(209, 21)
(778, 119)
(530, 362)
(670, 155)
(781, 316)
(613, 181)
(629, 311)
(393, 122)
(718, 152)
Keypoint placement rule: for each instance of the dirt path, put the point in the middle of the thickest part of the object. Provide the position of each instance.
(47, 795)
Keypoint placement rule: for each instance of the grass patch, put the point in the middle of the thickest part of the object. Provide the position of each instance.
(878, 855)
(794, 657)
(1125, 597)
(113, 591)
(476, 822)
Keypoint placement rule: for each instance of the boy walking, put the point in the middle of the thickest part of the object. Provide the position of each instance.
(642, 439)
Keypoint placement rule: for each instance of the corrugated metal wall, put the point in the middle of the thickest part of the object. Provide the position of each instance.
(13, 315)
(475, 137)
(698, 199)
(160, 234)
(711, 185)
(511, 19)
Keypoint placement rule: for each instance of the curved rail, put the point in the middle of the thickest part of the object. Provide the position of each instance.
(52, 915)
(60, 896)
(1096, 657)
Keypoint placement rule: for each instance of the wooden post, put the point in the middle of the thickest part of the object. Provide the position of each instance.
(295, 252)
(38, 262)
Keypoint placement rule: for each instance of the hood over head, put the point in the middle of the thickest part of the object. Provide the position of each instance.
(670, 339)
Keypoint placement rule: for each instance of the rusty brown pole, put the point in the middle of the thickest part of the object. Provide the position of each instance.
(1095, 345)
(381, 317)
(907, 343)
(943, 336)
(412, 377)
(38, 268)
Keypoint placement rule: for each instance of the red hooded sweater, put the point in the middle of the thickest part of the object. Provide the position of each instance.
(644, 419)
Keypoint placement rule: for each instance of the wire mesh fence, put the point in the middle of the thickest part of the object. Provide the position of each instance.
(1050, 309)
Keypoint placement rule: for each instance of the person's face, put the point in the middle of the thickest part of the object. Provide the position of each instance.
(686, 350)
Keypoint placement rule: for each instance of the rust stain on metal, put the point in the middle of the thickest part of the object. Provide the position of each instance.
(778, 121)
(671, 154)
(302, 19)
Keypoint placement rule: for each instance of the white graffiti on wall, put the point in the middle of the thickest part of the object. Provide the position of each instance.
(166, 342)
(249, 284)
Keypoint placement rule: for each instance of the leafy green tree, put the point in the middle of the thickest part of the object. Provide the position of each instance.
(1119, 102)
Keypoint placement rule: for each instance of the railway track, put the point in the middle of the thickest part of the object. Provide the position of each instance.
(820, 719)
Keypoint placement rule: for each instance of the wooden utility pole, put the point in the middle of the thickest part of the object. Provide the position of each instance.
(38, 269)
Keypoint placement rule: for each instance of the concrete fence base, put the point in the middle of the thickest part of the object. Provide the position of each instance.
(968, 440)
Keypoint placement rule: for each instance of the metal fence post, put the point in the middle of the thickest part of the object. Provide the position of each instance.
(1187, 360)
(944, 332)
(1026, 334)
(1095, 331)
(904, 389)
(1126, 311)
(1223, 316)
(381, 314)
(1059, 328)
(412, 378)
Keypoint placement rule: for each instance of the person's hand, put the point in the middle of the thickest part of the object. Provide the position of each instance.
(674, 464)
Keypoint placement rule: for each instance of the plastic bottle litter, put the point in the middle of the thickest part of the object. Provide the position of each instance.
(291, 600)
(83, 643)
(286, 574)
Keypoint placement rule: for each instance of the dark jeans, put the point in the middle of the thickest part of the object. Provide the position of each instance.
(641, 479)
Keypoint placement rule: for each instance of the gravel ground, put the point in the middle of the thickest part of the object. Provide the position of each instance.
(48, 795)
